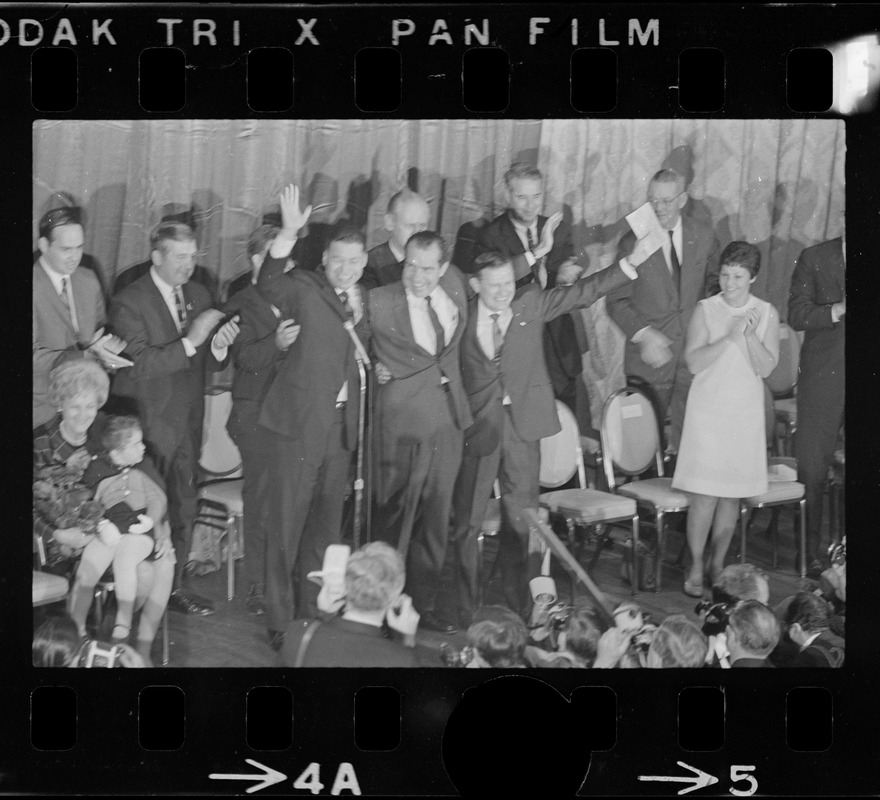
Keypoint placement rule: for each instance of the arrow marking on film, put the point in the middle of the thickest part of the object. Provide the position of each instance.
(699, 779)
(268, 778)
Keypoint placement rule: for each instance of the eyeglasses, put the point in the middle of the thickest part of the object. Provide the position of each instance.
(664, 203)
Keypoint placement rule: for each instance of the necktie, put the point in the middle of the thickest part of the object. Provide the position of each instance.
(346, 304)
(438, 328)
(676, 264)
(497, 337)
(538, 266)
(181, 309)
(63, 294)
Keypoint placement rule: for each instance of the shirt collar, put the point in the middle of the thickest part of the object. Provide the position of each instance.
(55, 277)
(420, 301)
(521, 226)
(166, 289)
(400, 256)
(677, 228)
(484, 312)
(809, 640)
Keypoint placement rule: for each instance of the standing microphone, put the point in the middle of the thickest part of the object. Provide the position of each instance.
(359, 351)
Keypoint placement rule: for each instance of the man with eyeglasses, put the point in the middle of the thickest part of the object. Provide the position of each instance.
(654, 310)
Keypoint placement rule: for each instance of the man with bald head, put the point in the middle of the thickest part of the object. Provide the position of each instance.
(407, 214)
(654, 310)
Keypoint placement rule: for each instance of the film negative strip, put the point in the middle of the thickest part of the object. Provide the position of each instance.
(202, 115)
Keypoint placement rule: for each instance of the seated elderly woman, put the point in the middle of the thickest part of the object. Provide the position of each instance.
(78, 389)
(374, 580)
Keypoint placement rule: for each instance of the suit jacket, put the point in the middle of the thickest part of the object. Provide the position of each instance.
(654, 299)
(818, 282)
(300, 402)
(168, 386)
(382, 267)
(343, 643)
(239, 284)
(501, 235)
(408, 405)
(750, 663)
(254, 353)
(522, 373)
(825, 651)
(54, 339)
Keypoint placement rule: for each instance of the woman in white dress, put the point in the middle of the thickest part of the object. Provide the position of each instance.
(732, 345)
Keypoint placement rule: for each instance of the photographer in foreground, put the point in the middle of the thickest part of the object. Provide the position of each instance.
(676, 642)
(370, 593)
(57, 643)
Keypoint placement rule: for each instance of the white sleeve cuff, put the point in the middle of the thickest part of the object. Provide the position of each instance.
(189, 347)
(637, 336)
(628, 269)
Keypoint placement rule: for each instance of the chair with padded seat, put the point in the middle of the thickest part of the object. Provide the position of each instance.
(782, 382)
(561, 459)
(780, 492)
(220, 503)
(632, 446)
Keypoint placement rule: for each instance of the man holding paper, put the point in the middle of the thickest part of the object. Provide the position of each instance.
(654, 310)
(68, 308)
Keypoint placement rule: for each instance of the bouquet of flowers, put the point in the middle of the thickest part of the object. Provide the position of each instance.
(63, 501)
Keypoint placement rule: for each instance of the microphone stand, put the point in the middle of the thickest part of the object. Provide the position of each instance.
(363, 363)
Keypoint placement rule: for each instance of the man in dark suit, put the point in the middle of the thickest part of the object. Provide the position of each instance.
(311, 409)
(421, 412)
(167, 321)
(200, 274)
(817, 305)
(407, 214)
(541, 251)
(654, 311)
(68, 307)
(505, 376)
(262, 342)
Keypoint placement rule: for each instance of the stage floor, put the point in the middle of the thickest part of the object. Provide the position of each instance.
(233, 638)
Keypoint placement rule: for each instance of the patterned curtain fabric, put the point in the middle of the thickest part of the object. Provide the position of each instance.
(776, 183)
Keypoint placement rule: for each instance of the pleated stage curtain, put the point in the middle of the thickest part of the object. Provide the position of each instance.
(776, 183)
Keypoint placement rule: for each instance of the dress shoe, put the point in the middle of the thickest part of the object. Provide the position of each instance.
(254, 601)
(276, 639)
(430, 621)
(186, 603)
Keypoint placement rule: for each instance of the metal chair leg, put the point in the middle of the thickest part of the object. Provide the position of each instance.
(661, 525)
(165, 657)
(802, 513)
(480, 567)
(743, 525)
(635, 558)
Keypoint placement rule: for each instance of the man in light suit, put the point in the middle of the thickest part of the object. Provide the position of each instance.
(167, 321)
(421, 413)
(407, 214)
(654, 311)
(310, 409)
(511, 397)
(817, 305)
(541, 251)
(68, 310)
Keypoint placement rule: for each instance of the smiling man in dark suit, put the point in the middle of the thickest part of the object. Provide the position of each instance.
(817, 305)
(311, 410)
(541, 251)
(167, 321)
(421, 412)
(654, 311)
(511, 397)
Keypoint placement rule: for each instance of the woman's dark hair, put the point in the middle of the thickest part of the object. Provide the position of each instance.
(56, 643)
(741, 254)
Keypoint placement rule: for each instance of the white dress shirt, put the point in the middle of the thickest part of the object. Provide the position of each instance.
(58, 282)
(167, 292)
(485, 332)
(423, 330)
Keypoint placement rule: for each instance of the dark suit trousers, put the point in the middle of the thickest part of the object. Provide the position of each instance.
(255, 444)
(306, 490)
(515, 463)
(818, 424)
(177, 463)
(420, 501)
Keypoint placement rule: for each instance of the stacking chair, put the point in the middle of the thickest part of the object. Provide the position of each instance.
(220, 504)
(782, 383)
(779, 493)
(561, 459)
(632, 445)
